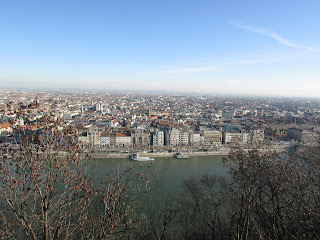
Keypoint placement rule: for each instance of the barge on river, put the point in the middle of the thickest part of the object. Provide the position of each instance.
(136, 157)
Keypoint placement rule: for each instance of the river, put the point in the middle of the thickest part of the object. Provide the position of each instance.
(170, 171)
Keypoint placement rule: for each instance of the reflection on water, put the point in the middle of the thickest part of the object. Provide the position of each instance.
(171, 171)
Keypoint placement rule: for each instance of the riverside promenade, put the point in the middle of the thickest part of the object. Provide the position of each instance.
(160, 154)
(168, 153)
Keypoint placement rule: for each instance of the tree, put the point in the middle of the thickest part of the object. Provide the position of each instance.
(44, 186)
(276, 195)
(115, 212)
(159, 218)
(268, 195)
(202, 207)
(46, 190)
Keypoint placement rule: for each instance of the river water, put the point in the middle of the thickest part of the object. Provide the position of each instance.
(170, 171)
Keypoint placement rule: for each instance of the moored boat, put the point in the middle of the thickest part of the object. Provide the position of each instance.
(180, 155)
(136, 157)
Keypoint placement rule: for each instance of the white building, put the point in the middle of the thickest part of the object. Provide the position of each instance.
(176, 137)
(232, 134)
(171, 137)
(212, 137)
(257, 135)
(99, 107)
(183, 138)
(232, 137)
(104, 139)
(123, 140)
(157, 137)
(194, 138)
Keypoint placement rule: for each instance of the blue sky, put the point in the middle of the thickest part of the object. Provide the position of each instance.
(226, 47)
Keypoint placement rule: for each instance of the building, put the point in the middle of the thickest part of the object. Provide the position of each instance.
(171, 137)
(257, 136)
(5, 127)
(279, 131)
(246, 137)
(157, 137)
(303, 136)
(194, 138)
(232, 134)
(228, 114)
(176, 137)
(212, 137)
(123, 140)
(140, 137)
(105, 139)
(183, 138)
(99, 107)
(252, 136)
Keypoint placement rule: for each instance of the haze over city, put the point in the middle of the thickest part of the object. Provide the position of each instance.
(231, 47)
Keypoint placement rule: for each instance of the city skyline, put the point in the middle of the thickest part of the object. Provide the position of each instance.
(268, 49)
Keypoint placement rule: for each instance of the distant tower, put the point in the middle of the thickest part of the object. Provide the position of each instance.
(81, 107)
(36, 102)
(99, 107)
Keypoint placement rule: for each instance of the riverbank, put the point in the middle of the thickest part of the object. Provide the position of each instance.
(162, 154)
(168, 154)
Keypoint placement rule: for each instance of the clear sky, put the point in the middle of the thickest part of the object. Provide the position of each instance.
(255, 47)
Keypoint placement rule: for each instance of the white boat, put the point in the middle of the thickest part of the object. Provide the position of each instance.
(180, 155)
(136, 157)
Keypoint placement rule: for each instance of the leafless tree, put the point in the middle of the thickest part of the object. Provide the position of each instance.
(46, 191)
(268, 195)
(277, 196)
(159, 218)
(115, 212)
(44, 187)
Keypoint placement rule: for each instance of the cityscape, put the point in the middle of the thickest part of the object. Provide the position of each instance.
(162, 120)
(117, 123)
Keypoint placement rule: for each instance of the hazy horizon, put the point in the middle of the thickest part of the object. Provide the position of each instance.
(161, 92)
(226, 48)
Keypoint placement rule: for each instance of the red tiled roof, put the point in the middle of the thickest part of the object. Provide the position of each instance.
(121, 135)
(5, 125)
